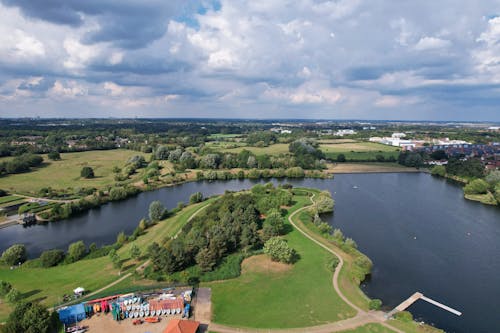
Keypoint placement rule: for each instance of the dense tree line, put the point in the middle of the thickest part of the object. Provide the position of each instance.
(229, 225)
(22, 163)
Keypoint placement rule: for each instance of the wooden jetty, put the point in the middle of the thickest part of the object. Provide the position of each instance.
(415, 297)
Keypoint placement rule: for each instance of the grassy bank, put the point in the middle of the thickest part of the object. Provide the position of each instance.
(299, 296)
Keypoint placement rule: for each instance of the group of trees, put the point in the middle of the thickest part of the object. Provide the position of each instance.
(22, 163)
(307, 154)
(229, 225)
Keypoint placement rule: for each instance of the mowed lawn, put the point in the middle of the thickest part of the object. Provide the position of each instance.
(66, 172)
(50, 284)
(298, 297)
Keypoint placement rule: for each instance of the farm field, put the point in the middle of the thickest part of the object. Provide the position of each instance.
(268, 298)
(66, 172)
(367, 167)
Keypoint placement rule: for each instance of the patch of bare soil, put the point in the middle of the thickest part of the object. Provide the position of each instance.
(262, 264)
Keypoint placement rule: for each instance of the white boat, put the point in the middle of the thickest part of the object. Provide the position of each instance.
(164, 312)
(146, 313)
(141, 314)
(129, 307)
(153, 312)
(168, 311)
(178, 310)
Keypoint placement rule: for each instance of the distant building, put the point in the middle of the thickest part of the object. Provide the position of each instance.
(398, 135)
(343, 132)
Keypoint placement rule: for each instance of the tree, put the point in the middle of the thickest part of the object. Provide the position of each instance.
(54, 156)
(278, 249)
(493, 177)
(87, 172)
(206, 259)
(375, 304)
(77, 251)
(143, 224)
(29, 318)
(325, 203)
(135, 252)
(156, 211)
(51, 257)
(477, 186)
(274, 225)
(341, 158)
(438, 170)
(116, 260)
(5, 287)
(15, 254)
(196, 197)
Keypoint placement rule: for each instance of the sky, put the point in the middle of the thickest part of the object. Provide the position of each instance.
(317, 59)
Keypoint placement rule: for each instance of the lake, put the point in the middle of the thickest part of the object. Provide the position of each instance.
(419, 231)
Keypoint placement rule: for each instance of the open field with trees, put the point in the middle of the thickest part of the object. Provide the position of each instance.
(65, 173)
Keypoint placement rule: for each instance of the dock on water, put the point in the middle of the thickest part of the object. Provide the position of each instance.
(415, 297)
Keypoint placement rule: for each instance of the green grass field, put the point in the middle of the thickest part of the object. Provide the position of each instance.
(66, 172)
(276, 149)
(359, 151)
(302, 296)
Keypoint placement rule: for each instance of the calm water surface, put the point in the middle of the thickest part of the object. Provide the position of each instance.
(418, 230)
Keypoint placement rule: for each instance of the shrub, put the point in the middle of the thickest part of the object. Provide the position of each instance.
(54, 156)
(15, 254)
(334, 263)
(196, 197)
(278, 249)
(477, 186)
(325, 203)
(5, 287)
(121, 238)
(135, 252)
(405, 316)
(87, 172)
(341, 158)
(51, 257)
(375, 304)
(438, 170)
(13, 296)
(76, 251)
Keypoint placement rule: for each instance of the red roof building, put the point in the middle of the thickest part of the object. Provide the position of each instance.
(182, 326)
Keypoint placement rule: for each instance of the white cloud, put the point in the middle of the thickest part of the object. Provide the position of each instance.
(431, 43)
(487, 56)
(79, 54)
(69, 89)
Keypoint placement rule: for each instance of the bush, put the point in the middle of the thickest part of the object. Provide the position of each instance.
(278, 249)
(87, 172)
(51, 257)
(76, 251)
(438, 170)
(117, 193)
(15, 254)
(325, 203)
(13, 296)
(54, 156)
(341, 158)
(375, 304)
(5, 287)
(196, 197)
(477, 186)
(333, 263)
(405, 316)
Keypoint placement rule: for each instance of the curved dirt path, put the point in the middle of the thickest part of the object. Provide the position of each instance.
(361, 318)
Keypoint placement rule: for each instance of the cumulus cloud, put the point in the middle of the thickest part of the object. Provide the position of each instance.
(431, 43)
(260, 58)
